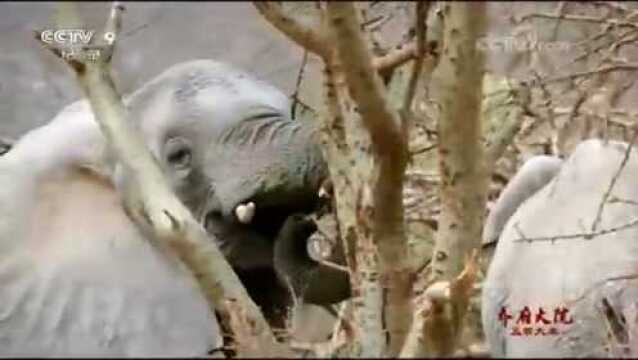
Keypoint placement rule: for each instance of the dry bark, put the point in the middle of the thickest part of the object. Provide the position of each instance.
(360, 128)
(152, 204)
(461, 155)
(380, 203)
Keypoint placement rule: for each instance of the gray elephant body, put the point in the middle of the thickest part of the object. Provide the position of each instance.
(586, 278)
(222, 138)
(77, 277)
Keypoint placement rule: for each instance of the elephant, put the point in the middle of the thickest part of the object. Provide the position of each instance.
(231, 152)
(77, 277)
(562, 281)
(243, 166)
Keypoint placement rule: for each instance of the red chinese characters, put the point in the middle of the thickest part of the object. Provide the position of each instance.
(529, 323)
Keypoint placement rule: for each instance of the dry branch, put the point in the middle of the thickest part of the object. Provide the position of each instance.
(316, 40)
(507, 126)
(395, 58)
(432, 332)
(381, 213)
(152, 204)
(422, 8)
(583, 235)
(462, 164)
(581, 18)
(600, 70)
(612, 183)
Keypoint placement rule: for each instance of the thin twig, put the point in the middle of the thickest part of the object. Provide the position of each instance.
(613, 181)
(585, 235)
(581, 18)
(295, 95)
(423, 149)
(601, 70)
(422, 8)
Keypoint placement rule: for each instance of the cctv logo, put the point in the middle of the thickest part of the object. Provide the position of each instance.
(67, 36)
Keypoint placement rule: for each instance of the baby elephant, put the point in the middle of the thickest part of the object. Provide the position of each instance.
(78, 278)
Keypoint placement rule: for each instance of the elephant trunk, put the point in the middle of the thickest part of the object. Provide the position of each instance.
(310, 280)
(272, 161)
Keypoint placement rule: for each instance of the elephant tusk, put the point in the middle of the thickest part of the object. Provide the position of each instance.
(323, 193)
(326, 189)
(245, 213)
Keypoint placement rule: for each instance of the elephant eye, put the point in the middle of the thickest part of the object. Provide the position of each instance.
(179, 154)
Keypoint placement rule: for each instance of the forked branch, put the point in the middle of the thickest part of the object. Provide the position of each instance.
(152, 204)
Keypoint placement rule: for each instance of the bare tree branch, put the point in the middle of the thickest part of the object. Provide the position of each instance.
(295, 94)
(612, 183)
(152, 204)
(507, 126)
(314, 40)
(583, 235)
(601, 70)
(464, 178)
(581, 18)
(395, 58)
(381, 210)
(422, 8)
(432, 332)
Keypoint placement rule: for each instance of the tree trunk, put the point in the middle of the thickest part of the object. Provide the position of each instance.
(458, 85)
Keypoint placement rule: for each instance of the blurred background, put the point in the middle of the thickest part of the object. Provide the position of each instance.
(34, 85)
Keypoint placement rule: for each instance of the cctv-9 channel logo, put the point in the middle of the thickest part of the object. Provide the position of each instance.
(72, 37)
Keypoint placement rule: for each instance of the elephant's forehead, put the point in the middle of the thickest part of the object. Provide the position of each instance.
(204, 91)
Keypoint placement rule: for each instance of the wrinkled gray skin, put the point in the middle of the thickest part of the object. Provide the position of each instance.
(77, 277)
(222, 138)
(235, 144)
(581, 274)
(531, 177)
(235, 141)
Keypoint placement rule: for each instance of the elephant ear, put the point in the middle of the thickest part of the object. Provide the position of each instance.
(78, 277)
(310, 280)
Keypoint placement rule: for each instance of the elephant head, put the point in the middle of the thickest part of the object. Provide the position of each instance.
(226, 140)
(234, 156)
